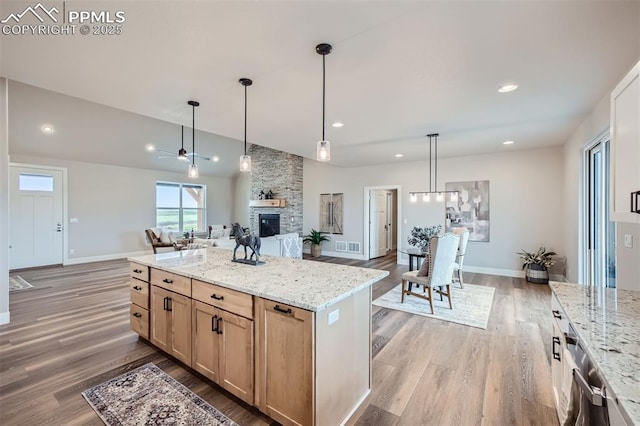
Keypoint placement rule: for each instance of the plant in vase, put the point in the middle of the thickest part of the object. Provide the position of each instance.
(536, 264)
(420, 236)
(315, 239)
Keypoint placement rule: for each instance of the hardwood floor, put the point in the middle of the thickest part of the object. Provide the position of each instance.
(71, 332)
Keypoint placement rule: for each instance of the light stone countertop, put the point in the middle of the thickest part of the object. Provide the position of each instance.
(305, 284)
(607, 321)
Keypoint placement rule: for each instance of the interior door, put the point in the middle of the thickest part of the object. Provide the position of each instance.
(377, 223)
(35, 217)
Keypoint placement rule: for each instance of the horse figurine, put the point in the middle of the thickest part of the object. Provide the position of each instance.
(247, 240)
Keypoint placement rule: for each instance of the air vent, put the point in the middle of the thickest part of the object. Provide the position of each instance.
(353, 247)
(341, 246)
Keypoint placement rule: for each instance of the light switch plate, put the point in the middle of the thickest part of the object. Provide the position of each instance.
(333, 316)
(628, 240)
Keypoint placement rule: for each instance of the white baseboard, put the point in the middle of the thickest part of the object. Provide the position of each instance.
(344, 255)
(89, 259)
(355, 407)
(4, 317)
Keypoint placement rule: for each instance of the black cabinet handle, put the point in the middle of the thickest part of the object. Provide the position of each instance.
(635, 202)
(556, 314)
(167, 280)
(135, 287)
(164, 304)
(137, 314)
(214, 296)
(218, 328)
(169, 300)
(555, 341)
(279, 309)
(214, 323)
(137, 271)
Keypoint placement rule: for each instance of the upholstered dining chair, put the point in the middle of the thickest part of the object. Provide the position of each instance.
(442, 256)
(463, 233)
(153, 235)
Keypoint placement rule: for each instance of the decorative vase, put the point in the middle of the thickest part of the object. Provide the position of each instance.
(537, 274)
(315, 250)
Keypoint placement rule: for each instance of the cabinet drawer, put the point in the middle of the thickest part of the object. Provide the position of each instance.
(139, 292)
(224, 298)
(172, 282)
(139, 271)
(139, 318)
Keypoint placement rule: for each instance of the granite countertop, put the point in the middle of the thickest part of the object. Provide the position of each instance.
(306, 284)
(607, 322)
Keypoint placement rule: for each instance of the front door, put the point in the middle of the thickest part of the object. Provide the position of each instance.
(35, 217)
(378, 223)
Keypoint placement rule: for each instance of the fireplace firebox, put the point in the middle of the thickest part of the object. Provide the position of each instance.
(269, 224)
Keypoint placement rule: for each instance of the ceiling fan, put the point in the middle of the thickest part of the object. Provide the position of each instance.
(183, 155)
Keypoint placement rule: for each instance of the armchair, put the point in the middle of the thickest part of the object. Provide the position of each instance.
(153, 236)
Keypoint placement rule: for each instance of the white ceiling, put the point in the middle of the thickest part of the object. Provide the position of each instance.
(398, 70)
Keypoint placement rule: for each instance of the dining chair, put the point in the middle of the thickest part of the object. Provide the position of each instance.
(442, 256)
(463, 233)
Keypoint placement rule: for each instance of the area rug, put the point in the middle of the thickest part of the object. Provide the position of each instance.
(18, 283)
(471, 305)
(147, 395)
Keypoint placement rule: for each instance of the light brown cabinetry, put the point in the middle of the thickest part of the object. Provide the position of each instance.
(284, 362)
(139, 297)
(171, 323)
(223, 349)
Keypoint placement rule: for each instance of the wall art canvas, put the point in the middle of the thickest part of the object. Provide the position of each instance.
(470, 210)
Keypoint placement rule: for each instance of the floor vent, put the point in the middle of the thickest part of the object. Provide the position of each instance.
(354, 247)
(341, 246)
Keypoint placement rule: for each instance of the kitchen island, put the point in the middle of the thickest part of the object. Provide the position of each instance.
(291, 337)
(606, 324)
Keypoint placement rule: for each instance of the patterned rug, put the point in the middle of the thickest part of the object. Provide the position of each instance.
(147, 395)
(18, 283)
(471, 305)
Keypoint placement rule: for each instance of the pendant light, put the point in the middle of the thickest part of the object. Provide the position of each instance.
(245, 160)
(193, 167)
(323, 150)
(433, 192)
(182, 153)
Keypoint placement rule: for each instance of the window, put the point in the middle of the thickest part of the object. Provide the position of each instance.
(31, 182)
(180, 207)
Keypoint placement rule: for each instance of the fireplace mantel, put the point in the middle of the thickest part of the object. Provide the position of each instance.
(268, 203)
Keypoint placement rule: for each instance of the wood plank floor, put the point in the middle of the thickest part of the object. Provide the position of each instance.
(71, 332)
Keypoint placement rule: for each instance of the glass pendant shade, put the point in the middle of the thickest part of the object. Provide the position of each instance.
(323, 152)
(413, 198)
(439, 197)
(245, 163)
(182, 154)
(454, 196)
(193, 171)
(426, 198)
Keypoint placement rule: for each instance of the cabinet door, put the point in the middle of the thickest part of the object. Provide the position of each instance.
(205, 347)
(159, 324)
(236, 355)
(180, 332)
(625, 146)
(284, 362)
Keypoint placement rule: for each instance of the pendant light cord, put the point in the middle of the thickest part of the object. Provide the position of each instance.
(435, 186)
(323, 89)
(182, 136)
(245, 120)
(193, 135)
(430, 172)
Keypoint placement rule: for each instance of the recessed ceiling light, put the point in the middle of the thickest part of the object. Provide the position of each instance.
(215, 158)
(508, 88)
(47, 129)
(508, 143)
(150, 147)
(398, 155)
(337, 124)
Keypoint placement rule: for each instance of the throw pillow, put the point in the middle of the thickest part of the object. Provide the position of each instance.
(216, 233)
(424, 268)
(164, 237)
(226, 233)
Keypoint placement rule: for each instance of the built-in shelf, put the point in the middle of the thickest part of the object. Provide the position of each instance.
(268, 203)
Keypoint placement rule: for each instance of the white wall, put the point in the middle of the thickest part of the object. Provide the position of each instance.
(241, 195)
(4, 204)
(115, 205)
(525, 200)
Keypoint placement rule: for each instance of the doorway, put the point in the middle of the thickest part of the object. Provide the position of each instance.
(36, 216)
(600, 231)
(381, 221)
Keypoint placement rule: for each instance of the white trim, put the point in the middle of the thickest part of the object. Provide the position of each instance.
(355, 407)
(65, 198)
(89, 259)
(4, 318)
(367, 190)
(356, 256)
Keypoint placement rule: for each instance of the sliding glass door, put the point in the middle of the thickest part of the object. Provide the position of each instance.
(600, 231)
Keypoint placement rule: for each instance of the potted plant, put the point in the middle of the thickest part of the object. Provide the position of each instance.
(536, 264)
(420, 236)
(315, 238)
